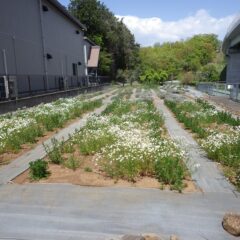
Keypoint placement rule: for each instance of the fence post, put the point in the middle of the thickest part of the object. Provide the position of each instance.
(29, 85)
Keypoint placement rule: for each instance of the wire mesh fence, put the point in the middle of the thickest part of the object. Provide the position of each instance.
(221, 89)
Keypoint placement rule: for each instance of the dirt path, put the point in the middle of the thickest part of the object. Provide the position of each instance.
(205, 172)
(21, 164)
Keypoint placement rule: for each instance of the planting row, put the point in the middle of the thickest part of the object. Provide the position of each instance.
(217, 132)
(128, 141)
(25, 126)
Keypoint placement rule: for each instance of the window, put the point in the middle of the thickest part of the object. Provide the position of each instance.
(44, 8)
(49, 56)
(74, 68)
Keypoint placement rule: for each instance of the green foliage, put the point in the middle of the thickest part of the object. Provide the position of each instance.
(93, 144)
(68, 147)
(88, 169)
(130, 76)
(210, 73)
(29, 134)
(72, 163)
(183, 58)
(170, 171)
(218, 132)
(55, 151)
(51, 121)
(78, 109)
(128, 162)
(122, 76)
(105, 62)
(225, 117)
(151, 76)
(38, 169)
(118, 108)
(119, 49)
(89, 143)
(188, 78)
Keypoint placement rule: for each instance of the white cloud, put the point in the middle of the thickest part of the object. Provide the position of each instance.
(148, 31)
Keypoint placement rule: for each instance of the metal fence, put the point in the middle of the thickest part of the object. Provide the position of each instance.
(20, 86)
(221, 89)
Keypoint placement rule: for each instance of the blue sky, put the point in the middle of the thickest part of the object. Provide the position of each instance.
(170, 20)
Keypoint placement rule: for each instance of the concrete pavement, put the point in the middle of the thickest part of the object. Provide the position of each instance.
(61, 211)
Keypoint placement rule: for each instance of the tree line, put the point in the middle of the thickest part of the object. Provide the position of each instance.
(119, 49)
(196, 59)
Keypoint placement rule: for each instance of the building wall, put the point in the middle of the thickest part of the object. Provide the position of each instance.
(20, 36)
(63, 43)
(233, 68)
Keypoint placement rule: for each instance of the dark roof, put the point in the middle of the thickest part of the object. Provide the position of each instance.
(90, 41)
(64, 11)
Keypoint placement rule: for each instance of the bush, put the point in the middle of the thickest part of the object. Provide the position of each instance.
(170, 171)
(68, 147)
(38, 169)
(188, 78)
(150, 76)
(55, 153)
(72, 163)
(88, 169)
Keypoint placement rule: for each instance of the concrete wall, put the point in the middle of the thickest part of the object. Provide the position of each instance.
(233, 68)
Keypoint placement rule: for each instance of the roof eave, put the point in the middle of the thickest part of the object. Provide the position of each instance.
(90, 41)
(63, 10)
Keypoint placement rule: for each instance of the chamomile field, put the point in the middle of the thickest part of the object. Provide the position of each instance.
(217, 132)
(24, 128)
(126, 145)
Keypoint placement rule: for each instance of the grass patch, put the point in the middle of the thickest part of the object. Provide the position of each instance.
(72, 163)
(54, 152)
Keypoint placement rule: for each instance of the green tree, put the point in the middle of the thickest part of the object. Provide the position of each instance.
(119, 49)
(183, 59)
(210, 73)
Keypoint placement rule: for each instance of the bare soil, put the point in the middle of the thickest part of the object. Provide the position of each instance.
(96, 178)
